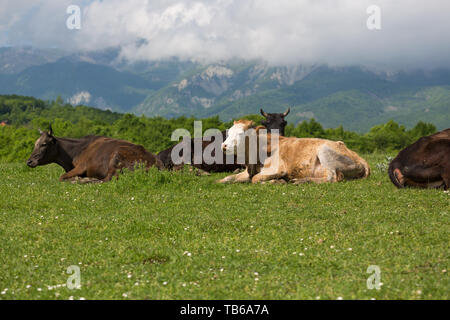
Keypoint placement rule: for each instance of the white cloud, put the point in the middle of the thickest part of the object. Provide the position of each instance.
(80, 97)
(414, 33)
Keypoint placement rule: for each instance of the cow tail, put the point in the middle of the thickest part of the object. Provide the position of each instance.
(392, 176)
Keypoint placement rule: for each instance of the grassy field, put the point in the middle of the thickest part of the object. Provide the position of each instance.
(163, 235)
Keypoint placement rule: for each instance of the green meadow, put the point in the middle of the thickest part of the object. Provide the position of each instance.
(176, 235)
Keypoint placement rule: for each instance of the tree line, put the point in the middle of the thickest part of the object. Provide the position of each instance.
(22, 116)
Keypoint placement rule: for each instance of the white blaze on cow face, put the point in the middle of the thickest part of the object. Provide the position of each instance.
(44, 152)
(235, 138)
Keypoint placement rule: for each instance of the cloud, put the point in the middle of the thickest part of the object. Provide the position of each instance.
(80, 97)
(413, 32)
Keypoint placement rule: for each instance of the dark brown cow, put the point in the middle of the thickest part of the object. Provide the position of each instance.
(273, 121)
(166, 158)
(424, 164)
(93, 157)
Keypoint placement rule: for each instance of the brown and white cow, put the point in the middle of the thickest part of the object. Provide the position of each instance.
(291, 159)
(273, 121)
(424, 164)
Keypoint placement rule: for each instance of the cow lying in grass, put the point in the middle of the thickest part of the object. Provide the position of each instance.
(424, 164)
(291, 159)
(91, 158)
(166, 157)
(273, 121)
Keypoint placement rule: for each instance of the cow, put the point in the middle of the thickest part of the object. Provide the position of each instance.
(273, 121)
(423, 164)
(166, 157)
(91, 158)
(292, 159)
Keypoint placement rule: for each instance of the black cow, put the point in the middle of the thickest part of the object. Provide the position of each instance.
(424, 164)
(273, 121)
(166, 158)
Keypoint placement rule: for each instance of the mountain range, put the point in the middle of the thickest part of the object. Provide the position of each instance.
(355, 97)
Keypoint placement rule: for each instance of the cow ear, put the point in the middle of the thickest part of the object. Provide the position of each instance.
(50, 130)
(40, 131)
(287, 112)
(263, 113)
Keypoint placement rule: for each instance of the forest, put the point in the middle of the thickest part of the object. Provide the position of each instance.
(21, 117)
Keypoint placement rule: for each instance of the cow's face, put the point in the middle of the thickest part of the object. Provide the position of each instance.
(274, 121)
(45, 150)
(236, 136)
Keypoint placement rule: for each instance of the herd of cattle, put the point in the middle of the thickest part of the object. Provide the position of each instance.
(425, 164)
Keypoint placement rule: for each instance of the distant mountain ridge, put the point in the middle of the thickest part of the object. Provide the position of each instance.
(14, 60)
(107, 87)
(350, 96)
(355, 97)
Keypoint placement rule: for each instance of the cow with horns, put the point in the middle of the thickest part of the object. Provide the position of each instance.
(273, 121)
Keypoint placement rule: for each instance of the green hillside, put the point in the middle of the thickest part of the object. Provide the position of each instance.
(22, 116)
(354, 97)
(108, 87)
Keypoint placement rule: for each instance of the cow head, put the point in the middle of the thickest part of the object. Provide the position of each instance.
(236, 136)
(45, 149)
(275, 121)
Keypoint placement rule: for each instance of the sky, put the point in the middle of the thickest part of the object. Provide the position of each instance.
(412, 33)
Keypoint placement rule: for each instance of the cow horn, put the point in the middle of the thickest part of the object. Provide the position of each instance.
(40, 131)
(287, 112)
(263, 113)
(50, 130)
